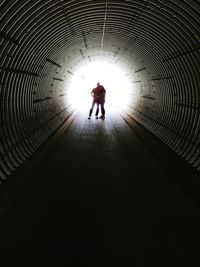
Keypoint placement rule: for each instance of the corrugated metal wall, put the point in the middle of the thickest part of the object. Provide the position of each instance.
(42, 42)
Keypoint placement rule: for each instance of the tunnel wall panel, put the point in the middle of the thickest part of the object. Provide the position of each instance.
(41, 40)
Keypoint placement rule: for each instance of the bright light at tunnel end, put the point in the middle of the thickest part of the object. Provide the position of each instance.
(111, 76)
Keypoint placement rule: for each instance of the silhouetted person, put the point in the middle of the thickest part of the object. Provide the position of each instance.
(98, 94)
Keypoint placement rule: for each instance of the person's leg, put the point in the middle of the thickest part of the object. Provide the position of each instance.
(102, 111)
(97, 111)
(91, 109)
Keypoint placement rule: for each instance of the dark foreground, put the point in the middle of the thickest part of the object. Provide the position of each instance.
(101, 199)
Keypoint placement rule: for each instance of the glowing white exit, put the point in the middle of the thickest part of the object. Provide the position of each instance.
(114, 80)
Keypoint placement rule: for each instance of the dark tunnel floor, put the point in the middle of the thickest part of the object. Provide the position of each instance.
(100, 199)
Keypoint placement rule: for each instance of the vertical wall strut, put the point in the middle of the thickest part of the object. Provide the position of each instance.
(104, 26)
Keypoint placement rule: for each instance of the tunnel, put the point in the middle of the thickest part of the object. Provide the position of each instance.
(44, 46)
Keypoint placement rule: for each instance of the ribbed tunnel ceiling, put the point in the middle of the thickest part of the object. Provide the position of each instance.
(43, 42)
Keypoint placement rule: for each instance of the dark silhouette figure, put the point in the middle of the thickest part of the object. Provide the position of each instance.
(98, 94)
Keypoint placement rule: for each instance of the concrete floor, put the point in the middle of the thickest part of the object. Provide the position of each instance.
(100, 198)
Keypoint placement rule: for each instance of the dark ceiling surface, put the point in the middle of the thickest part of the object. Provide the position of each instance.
(43, 42)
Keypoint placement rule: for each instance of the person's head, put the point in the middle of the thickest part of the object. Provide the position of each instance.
(98, 84)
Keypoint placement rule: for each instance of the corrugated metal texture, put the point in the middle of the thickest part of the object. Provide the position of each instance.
(40, 40)
(175, 112)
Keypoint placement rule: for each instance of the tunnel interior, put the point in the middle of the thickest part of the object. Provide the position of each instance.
(44, 43)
